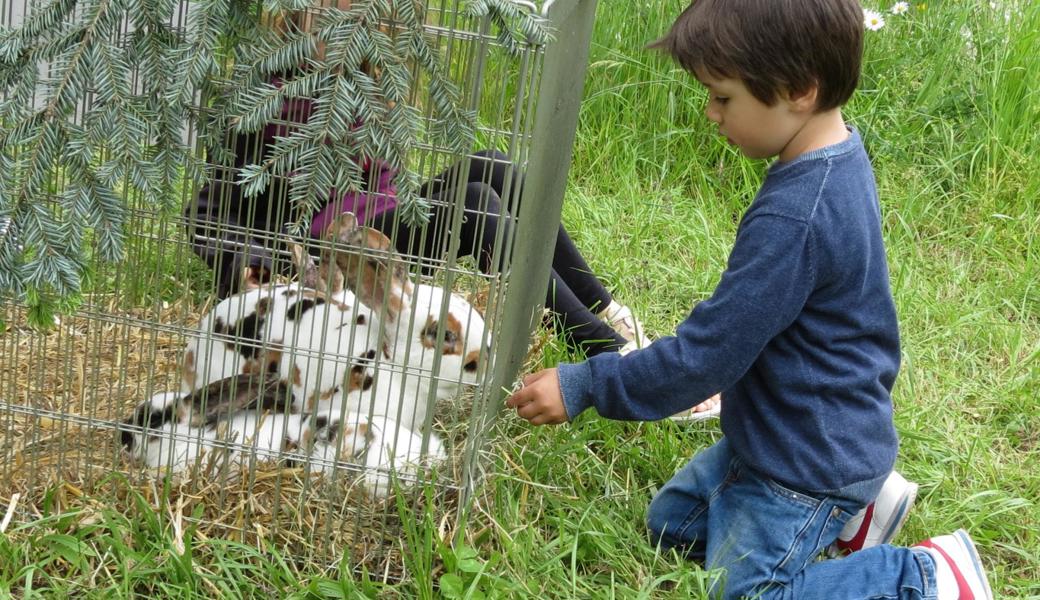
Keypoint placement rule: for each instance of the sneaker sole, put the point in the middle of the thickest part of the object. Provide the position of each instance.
(966, 542)
(692, 417)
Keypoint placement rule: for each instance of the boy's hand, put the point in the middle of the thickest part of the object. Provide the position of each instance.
(540, 400)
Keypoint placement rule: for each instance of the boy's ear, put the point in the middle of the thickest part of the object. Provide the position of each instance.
(805, 100)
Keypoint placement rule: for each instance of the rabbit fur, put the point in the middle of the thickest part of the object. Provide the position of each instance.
(349, 352)
(232, 423)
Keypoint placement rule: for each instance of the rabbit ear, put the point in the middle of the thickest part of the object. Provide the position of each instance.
(304, 263)
(188, 373)
(371, 270)
(250, 279)
(325, 277)
(345, 221)
(331, 274)
(228, 396)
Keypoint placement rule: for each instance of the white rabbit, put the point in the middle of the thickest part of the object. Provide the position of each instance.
(327, 343)
(334, 438)
(241, 335)
(460, 342)
(167, 438)
(348, 442)
(306, 332)
(297, 437)
(233, 424)
(410, 313)
(396, 451)
(430, 361)
(417, 339)
(176, 430)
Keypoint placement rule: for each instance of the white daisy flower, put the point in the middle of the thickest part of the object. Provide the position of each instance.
(872, 19)
(900, 7)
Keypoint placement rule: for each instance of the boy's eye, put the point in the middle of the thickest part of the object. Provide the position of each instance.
(720, 99)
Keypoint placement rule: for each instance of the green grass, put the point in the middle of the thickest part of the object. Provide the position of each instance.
(954, 133)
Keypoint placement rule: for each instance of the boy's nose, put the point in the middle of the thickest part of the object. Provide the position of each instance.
(713, 114)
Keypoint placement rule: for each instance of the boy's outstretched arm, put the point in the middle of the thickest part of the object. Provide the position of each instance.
(540, 400)
(770, 274)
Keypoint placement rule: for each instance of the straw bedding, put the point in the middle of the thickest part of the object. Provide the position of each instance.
(63, 392)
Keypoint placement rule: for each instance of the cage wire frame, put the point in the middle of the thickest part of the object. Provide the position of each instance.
(66, 394)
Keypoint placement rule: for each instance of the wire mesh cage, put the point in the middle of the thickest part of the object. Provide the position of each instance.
(284, 370)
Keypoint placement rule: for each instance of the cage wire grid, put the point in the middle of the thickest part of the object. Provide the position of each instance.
(69, 396)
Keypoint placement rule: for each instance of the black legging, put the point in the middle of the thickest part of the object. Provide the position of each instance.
(574, 291)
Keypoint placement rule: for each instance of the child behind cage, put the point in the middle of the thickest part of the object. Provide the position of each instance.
(228, 229)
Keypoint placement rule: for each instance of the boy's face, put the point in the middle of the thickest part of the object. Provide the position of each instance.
(758, 129)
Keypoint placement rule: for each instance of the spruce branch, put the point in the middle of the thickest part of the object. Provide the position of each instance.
(359, 76)
(90, 131)
(515, 27)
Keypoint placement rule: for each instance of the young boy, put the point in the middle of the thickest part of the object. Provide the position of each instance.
(801, 332)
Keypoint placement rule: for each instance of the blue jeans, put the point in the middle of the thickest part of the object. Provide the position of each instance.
(765, 538)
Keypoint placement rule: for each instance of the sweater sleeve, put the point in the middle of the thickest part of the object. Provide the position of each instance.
(769, 276)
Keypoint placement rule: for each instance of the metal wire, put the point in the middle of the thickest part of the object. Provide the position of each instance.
(68, 397)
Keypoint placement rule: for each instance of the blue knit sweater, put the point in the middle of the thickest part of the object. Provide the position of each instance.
(800, 334)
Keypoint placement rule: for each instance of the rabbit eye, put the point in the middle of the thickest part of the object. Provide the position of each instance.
(429, 334)
(448, 340)
(325, 430)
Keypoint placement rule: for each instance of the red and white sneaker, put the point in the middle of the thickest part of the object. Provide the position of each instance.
(959, 574)
(880, 521)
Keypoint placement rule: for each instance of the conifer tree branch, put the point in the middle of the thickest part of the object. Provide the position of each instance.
(113, 113)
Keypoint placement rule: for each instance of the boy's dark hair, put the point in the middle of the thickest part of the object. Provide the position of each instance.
(773, 46)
